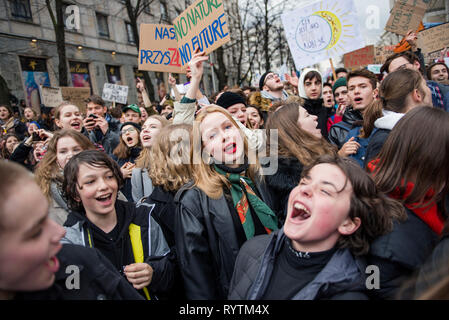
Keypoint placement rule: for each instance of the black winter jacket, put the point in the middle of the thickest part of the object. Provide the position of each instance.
(79, 230)
(315, 107)
(281, 184)
(399, 253)
(206, 242)
(337, 134)
(163, 209)
(98, 279)
(434, 270)
(343, 278)
(127, 187)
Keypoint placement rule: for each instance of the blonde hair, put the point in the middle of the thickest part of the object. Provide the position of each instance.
(205, 177)
(48, 169)
(170, 157)
(143, 161)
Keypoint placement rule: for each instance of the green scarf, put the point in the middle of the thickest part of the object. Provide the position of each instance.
(243, 195)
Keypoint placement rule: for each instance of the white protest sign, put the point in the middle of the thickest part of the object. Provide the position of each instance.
(374, 68)
(50, 97)
(321, 30)
(115, 93)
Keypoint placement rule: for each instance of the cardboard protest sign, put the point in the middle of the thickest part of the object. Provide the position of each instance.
(115, 93)
(159, 49)
(50, 97)
(406, 15)
(434, 39)
(202, 25)
(381, 53)
(359, 58)
(318, 31)
(77, 96)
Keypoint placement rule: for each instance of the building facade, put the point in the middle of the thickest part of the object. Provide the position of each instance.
(100, 46)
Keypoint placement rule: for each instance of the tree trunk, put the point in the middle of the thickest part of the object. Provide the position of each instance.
(133, 15)
(221, 70)
(60, 45)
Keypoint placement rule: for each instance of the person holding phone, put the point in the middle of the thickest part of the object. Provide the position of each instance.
(100, 126)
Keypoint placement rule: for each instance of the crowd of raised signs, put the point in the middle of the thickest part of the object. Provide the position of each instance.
(305, 189)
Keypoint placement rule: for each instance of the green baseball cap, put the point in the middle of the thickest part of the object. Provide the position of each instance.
(133, 107)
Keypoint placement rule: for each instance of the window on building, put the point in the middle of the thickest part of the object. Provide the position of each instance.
(129, 32)
(114, 75)
(103, 29)
(21, 9)
(164, 11)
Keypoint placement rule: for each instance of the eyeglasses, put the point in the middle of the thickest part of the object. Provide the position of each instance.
(271, 76)
(131, 129)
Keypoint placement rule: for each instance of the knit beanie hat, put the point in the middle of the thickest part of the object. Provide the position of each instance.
(262, 79)
(228, 99)
(341, 82)
(135, 125)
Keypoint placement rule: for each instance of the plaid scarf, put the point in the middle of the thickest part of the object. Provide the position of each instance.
(244, 199)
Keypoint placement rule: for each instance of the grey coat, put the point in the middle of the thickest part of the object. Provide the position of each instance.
(342, 278)
(141, 185)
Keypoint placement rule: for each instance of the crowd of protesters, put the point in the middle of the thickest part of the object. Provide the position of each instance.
(288, 191)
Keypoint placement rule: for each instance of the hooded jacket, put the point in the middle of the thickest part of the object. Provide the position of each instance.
(385, 124)
(207, 243)
(121, 251)
(315, 106)
(339, 131)
(342, 277)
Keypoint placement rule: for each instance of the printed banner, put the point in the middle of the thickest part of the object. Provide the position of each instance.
(321, 30)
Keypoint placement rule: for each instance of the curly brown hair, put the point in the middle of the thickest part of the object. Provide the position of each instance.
(48, 169)
(376, 211)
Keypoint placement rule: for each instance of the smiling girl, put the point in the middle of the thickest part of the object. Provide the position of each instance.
(64, 145)
(333, 215)
(126, 235)
(126, 153)
(299, 143)
(140, 180)
(226, 205)
(33, 262)
(68, 116)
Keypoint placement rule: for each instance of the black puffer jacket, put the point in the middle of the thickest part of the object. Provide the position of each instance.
(342, 278)
(281, 184)
(98, 279)
(207, 243)
(435, 269)
(399, 253)
(339, 131)
(316, 107)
